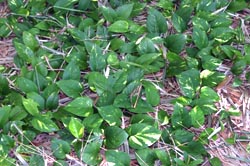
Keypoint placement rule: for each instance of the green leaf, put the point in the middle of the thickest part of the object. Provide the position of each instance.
(189, 82)
(197, 117)
(111, 115)
(76, 128)
(30, 40)
(145, 156)
(17, 113)
(119, 27)
(92, 122)
(31, 106)
(200, 23)
(180, 117)
(44, 124)
(15, 4)
(71, 88)
(156, 22)
(72, 71)
(109, 13)
(200, 38)
(4, 88)
(210, 62)
(208, 94)
(4, 115)
(26, 85)
(175, 43)
(146, 46)
(117, 158)
(124, 11)
(152, 93)
(114, 137)
(60, 148)
(142, 135)
(97, 60)
(215, 161)
(37, 98)
(176, 64)
(163, 117)
(147, 59)
(142, 118)
(90, 154)
(140, 106)
(178, 23)
(52, 101)
(81, 106)
(182, 136)
(36, 160)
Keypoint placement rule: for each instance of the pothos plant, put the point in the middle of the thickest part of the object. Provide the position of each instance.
(82, 73)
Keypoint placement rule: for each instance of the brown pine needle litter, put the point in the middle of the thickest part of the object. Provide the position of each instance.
(232, 145)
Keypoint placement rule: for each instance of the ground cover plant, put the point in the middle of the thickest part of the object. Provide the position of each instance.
(90, 82)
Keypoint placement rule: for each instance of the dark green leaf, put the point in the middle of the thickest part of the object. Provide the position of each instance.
(81, 106)
(90, 154)
(175, 43)
(156, 22)
(115, 136)
(117, 157)
(108, 13)
(37, 98)
(178, 23)
(142, 135)
(52, 101)
(142, 118)
(215, 161)
(200, 38)
(146, 156)
(71, 88)
(60, 148)
(4, 115)
(209, 62)
(97, 60)
(44, 124)
(180, 117)
(182, 136)
(92, 122)
(163, 117)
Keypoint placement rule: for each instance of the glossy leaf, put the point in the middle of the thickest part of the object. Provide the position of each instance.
(111, 115)
(119, 27)
(26, 85)
(142, 135)
(117, 157)
(200, 38)
(189, 82)
(90, 154)
(197, 117)
(152, 93)
(71, 88)
(115, 137)
(156, 22)
(124, 11)
(60, 148)
(44, 124)
(30, 40)
(76, 128)
(80, 106)
(31, 106)
(175, 43)
(72, 71)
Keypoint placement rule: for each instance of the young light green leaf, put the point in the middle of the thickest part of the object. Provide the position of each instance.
(31, 106)
(81, 106)
(175, 43)
(156, 22)
(26, 85)
(30, 40)
(60, 148)
(71, 88)
(44, 124)
(91, 153)
(115, 136)
(72, 71)
(117, 158)
(76, 128)
(200, 38)
(119, 27)
(189, 82)
(197, 117)
(142, 135)
(152, 93)
(111, 115)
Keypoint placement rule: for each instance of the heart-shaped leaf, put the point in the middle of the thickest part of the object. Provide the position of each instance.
(142, 135)
(115, 136)
(81, 106)
(117, 157)
(71, 88)
(119, 26)
(76, 128)
(44, 124)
